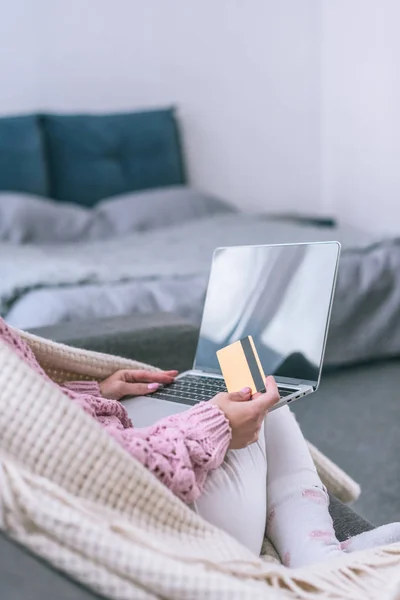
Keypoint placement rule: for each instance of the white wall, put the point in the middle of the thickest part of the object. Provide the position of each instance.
(285, 105)
(361, 112)
(19, 57)
(245, 75)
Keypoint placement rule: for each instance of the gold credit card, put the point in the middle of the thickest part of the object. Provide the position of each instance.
(241, 366)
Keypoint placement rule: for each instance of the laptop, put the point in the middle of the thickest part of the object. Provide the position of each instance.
(279, 294)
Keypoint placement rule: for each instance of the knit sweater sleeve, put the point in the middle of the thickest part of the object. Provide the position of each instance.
(181, 449)
(83, 387)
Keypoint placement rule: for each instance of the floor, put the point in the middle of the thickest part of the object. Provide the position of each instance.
(355, 419)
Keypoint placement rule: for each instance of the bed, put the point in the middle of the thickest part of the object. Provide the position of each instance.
(164, 266)
(100, 221)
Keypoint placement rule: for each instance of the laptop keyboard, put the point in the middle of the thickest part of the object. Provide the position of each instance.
(193, 388)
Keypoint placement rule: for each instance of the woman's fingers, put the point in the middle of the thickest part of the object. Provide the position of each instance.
(244, 394)
(140, 382)
(141, 375)
(136, 389)
(271, 396)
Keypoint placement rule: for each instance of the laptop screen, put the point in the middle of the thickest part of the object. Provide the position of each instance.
(281, 295)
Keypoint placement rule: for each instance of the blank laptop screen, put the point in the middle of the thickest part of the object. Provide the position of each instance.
(281, 295)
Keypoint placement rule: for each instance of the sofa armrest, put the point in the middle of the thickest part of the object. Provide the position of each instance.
(345, 521)
(159, 339)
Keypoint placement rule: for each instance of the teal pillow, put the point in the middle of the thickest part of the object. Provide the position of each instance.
(22, 161)
(92, 157)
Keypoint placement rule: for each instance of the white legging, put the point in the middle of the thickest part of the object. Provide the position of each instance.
(236, 495)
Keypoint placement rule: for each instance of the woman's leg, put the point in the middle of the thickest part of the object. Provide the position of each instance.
(298, 521)
(236, 494)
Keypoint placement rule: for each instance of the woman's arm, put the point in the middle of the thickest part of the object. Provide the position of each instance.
(125, 382)
(179, 450)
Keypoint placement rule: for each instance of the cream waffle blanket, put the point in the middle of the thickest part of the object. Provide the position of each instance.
(113, 526)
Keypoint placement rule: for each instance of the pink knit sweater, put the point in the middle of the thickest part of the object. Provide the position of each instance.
(179, 450)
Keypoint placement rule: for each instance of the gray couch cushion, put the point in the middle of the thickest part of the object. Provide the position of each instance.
(161, 339)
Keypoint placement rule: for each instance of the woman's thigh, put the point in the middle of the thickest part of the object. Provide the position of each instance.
(235, 495)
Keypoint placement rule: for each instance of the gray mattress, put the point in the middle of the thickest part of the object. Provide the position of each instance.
(166, 269)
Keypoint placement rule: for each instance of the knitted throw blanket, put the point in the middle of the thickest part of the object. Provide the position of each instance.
(116, 528)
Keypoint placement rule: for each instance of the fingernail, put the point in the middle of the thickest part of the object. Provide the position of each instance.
(246, 390)
(153, 386)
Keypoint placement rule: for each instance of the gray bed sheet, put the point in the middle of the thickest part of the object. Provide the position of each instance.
(167, 269)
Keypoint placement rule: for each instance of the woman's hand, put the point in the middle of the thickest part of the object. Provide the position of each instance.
(134, 382)
(246, 413)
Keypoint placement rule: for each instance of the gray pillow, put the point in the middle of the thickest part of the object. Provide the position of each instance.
(140, 211)
(26, 218)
